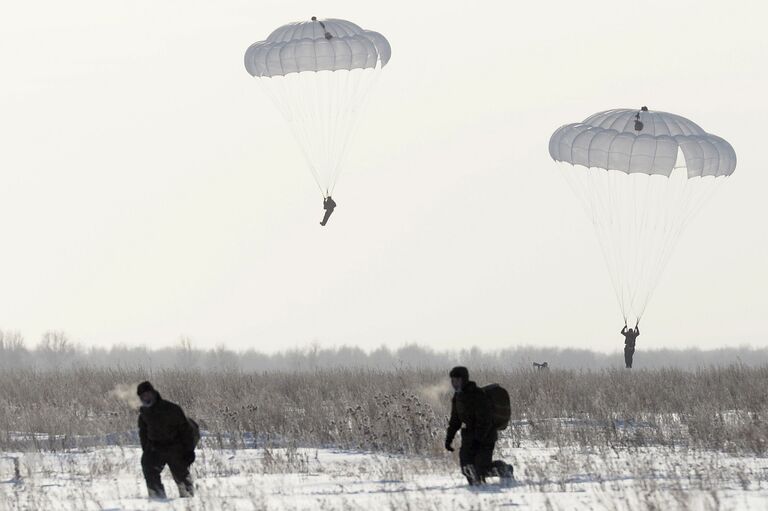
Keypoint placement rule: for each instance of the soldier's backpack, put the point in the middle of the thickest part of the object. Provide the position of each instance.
(501, 410)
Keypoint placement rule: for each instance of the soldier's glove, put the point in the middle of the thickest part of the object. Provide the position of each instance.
(189, 457)
(448, 442)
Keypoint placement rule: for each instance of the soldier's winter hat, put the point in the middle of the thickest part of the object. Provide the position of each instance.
(459, 372)
(143, 387)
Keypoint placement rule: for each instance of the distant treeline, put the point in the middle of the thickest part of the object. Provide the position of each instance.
(56, 351)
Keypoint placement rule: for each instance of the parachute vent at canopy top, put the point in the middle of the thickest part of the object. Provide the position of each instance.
(317, 45)
(611, 140)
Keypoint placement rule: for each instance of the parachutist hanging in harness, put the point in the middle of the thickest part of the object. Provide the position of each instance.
(318, 72)
(630, 335)
(641, 175)
(328, 205)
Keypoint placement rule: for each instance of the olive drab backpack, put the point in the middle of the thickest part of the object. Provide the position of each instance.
(501, 410)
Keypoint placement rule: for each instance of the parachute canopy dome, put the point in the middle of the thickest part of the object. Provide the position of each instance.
(317, 45)
(642, 141)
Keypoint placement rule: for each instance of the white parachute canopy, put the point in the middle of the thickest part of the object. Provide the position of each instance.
(641, 176)
(319, 73)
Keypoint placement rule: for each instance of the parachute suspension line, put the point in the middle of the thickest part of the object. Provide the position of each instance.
(338, 115)
(313, 108)
(644, 244)
(602, 209)
(615, 238)
(306, 119)
(320, 119)
(280, 89)
(644, 231)
(648, 244)
(637, 219)
(303, 120)
(690, 194)
(360, 90)
(308, 125)
(343, 117)
(323, 116)
(698, 191)
(343, 128)
(656, 238)
(329, 111)
(595, 195)
(629, 239)
(672, 198)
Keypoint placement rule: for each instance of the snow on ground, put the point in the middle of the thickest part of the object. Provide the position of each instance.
(287, 479)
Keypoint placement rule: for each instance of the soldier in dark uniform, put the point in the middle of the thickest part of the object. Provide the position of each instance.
(630, 336)
(471, 407)
(167, 438)
(328, 205)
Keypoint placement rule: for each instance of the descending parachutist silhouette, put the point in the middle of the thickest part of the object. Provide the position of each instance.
(641, 176)
(630, 335)
(319, 73)
(328, 205)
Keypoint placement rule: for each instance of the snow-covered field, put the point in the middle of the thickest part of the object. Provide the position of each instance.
(285, 479)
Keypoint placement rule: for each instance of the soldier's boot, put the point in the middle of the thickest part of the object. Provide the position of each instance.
(505, 471)
(157, 493)
(186, 489)
(470, 473)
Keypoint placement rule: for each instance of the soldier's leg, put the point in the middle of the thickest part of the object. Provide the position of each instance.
(182, 477)
(627, 358)
(467, 462)
(152, 464)
(484, 460)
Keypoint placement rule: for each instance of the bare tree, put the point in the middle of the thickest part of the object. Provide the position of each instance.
(55, 349)
(13, 352)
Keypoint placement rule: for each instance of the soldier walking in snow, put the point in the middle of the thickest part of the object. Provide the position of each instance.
(474, 408)
(167, 437)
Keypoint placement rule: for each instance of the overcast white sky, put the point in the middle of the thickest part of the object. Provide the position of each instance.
(149, 189)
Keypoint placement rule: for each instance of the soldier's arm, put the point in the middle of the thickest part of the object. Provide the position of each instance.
(143, 433)
(454, 423)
